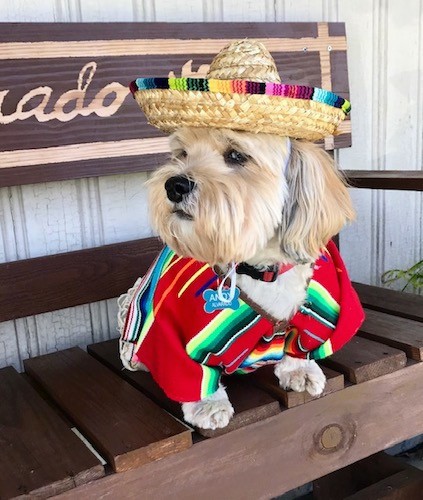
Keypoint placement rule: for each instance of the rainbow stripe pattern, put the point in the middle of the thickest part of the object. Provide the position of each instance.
(140, 313)
(221, 332)
(321, 305)
(209, 380)
(243, 87)
(269, 350)
(323, 351)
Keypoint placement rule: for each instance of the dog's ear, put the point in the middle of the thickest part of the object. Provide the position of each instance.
(318, 205)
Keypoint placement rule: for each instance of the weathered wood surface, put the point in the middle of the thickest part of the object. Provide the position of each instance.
(405, 305)
(74, 111)
(64, 280)
(108, 354)
(39, 454)
(362, 359)
(126, 427)
(265, 379)
(401, 333)
(250, 404)
(295, 438)
(408, 180)
(357, 477)
(404, 485)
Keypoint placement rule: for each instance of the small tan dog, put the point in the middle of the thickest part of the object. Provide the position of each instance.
(260, 209)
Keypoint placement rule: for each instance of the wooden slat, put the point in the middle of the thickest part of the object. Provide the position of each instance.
(265, 379)
(271, 457)
(70, 279)
(349, 480)
(378, 476)
(107, 353)
(30, 32)
(401, 333)
(250, 404)
(125, 426)
(39, 454)
(409, 180)
(85, 168)
(363, 359)
(151, 47)
(405, 305)
(404, 485)
(336, 29)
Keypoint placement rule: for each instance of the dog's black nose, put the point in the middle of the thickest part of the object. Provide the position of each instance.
(177, 187)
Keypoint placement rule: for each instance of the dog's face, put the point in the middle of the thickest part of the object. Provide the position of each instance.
(235, 196)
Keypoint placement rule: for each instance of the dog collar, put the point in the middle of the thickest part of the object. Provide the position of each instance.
(268, 275)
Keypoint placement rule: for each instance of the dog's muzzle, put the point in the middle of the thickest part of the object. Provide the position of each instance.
(177, 187)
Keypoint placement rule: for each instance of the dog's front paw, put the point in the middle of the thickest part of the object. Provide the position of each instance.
(300, 375)
(127, 350)
(213, 412)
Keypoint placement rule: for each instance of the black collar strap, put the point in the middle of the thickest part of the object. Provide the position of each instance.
(268, 275)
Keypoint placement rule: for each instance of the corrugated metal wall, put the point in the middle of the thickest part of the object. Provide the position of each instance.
(386, 76)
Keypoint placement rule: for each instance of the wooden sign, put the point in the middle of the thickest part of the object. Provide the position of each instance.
(65, 107)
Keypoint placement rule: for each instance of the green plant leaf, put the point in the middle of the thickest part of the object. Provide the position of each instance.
(413, 276)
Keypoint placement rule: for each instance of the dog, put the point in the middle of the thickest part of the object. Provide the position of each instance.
(228, 196)
(246, 206)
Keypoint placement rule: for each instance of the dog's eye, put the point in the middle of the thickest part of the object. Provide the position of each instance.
(235, 157)
(180, 154)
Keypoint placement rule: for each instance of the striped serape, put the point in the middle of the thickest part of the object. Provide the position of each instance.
(187, 349)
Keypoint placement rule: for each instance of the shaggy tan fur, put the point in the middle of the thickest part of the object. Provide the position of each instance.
(255, 212)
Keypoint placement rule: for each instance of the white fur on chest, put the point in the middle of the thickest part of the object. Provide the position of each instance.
(281, 298)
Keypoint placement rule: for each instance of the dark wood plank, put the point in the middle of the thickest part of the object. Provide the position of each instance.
(107, 353)
(342, 141)
(32, 32)
(271, 457)
(266, 380)
(39, 454)
(356, 477)
(409, 180)
(405, 305)
(401, 333)
(362, 359)
(404, 485)
(336, 29)
(250, 404)
(79, 169)
(125, 426)
(339, 73)
(70, 279)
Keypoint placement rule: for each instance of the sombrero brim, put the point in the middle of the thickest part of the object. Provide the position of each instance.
(288, 110)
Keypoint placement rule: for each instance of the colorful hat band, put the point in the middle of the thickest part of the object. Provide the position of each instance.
(243, 87)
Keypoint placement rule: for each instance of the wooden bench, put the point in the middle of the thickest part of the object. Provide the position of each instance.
(372, 401)
(277, 440)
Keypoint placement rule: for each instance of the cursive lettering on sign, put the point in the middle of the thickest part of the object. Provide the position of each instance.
(97, 106)
(188, 72)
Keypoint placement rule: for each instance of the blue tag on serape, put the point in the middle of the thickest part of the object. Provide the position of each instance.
(212, 302)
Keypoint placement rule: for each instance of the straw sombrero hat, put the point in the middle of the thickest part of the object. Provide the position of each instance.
(242, 91)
